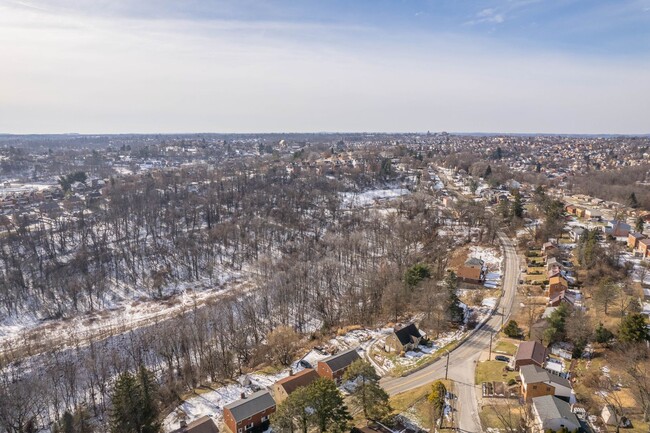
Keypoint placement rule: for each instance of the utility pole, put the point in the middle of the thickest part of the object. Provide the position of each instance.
(503, 316)
(490, 355)
(447, 366)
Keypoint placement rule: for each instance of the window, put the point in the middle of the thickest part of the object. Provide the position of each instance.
(249, 426)
(265, 418)
(239, 430)
(534, 386)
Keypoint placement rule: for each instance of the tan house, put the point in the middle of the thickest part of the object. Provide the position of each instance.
(644, 247)
(557, 285)
(283, 387)
(633, 239)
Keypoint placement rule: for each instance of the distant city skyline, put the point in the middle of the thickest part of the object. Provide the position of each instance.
(510, 66)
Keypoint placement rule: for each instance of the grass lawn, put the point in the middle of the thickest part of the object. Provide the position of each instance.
(508, 410)
(415, 403)
(493, 371)
(506, 347)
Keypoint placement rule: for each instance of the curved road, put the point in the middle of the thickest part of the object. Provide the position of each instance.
(462, 360)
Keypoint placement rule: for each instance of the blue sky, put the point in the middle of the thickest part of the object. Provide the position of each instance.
(573, 66)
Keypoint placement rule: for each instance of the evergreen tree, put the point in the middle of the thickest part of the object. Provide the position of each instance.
(639, 225)
(294, 412)
(367, 393)
(329, 409)
(632, 201)
(455, 312)
(134, 401)
(538, 167)
(517, 207)
(633, 329)
(488, 172)
(512, 329)
(603, 335)
(415, 274)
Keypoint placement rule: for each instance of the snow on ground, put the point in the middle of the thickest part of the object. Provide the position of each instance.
(639, 270)
(117, 317)
(494, 262)
(368, 198)
(211, 403)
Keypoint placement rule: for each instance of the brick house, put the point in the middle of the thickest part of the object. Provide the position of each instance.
(633, 240)
(249, 413)
(334, 366)
(530, 353)
(537, 382)
(644, 247)
(473, 271)
(283, 387)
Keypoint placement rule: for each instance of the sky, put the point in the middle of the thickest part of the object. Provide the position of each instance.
(163, 66)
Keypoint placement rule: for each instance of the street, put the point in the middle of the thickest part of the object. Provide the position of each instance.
(462, 360)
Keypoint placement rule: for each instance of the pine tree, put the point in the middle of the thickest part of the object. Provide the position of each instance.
(134, 401)
(639, 225)
(329, 409)
(633, 329)
(488, 172)
(603, 335)
(517, 207)
(632, 201)
(367, 393)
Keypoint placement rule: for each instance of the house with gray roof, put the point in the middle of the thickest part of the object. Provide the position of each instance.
(552, 413)
(249, 413)
(334, 366)
(536, 382)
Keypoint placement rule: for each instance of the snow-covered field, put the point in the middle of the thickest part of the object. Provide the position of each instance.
(367, 198)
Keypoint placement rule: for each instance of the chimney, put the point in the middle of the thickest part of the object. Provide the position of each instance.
(291, 372)
(183, 424)
(243, 396)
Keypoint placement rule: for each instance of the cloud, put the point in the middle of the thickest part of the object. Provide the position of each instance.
(99, 74)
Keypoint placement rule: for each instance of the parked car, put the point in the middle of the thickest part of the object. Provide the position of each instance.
(502, 358)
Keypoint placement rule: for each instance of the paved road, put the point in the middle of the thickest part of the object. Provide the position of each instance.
(462, 360)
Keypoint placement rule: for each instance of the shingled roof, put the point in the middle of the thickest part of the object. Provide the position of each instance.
(251, 405)
(341, 360)
(303, 378)
(404, 335)
(205, 424)
(551, 407)
(535, 374)
(531, 350)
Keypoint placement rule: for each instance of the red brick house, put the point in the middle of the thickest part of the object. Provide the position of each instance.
(249, 413)
(473, 271)
(334, 367)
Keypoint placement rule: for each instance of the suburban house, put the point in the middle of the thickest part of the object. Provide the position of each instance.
(557, 285)
(575, 233)
(593, 215)
(205, 424)
(644, 247)
(551, 263)
(283, 387)
(618, 230)
(404, 339)
(571, 209)
(473, 271)
(252, 412)
(334, 366)
(551, 413)
(633, 240)
(530, 353)
(536, 382)
(549, 248)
